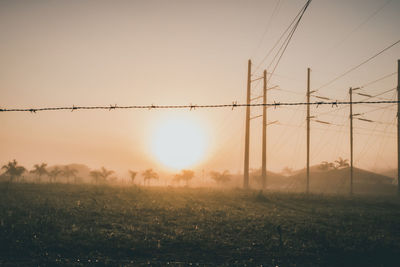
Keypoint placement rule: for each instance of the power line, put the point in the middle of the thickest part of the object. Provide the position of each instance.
(382, 93)
(283, 34)
(380, 108)
(290, 37)
(362, 23)
(193, 107)
(377, 80)
(274, 12)
(359, 65)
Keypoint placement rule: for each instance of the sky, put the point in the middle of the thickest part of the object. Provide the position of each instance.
(64, 53)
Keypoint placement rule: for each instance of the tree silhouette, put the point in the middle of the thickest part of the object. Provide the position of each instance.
(104, 173)
(325, 166)
(185, 175)
(96, 176)
(56, 171)
(341, 163)
(148, 175)
(12, 170)
(68, 172)
(219, 177)
(39, 170)
(101, 176)
(132, 175)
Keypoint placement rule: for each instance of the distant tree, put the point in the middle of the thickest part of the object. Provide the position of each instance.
(105, 174)
(39, 170)
(341, 163)
(219, 177)
(287, 171)
(185, 175)
(102, 175)
(96, 176)
(132, 175)
(148, 175)
(54, 173)
(12, 170)
(326, 166)
(332, 166)
(68, 172)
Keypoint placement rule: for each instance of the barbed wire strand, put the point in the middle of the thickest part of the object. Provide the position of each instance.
(193, 107)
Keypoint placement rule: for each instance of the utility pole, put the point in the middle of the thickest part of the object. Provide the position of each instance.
(308, 131)
(264, 134)
(247, 136)
(351, 140)
(398, 127)
(351, 136)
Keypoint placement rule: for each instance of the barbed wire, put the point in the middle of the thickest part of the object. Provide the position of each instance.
(193, 107)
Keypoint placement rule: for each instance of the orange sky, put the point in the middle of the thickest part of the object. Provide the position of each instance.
(64, 53)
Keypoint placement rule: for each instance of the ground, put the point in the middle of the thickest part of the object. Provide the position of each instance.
(79, 225)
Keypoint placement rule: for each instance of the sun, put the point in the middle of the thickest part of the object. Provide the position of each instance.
(179, 143)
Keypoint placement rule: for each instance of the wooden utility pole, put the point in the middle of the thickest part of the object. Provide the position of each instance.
(351, 140)
(351, 137)
(308, 131)
(247, 136)
(398, 127)
(264, 134)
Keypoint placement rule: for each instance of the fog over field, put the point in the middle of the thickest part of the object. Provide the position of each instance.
(199, 133)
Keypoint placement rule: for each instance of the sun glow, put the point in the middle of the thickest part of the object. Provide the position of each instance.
(179, 143)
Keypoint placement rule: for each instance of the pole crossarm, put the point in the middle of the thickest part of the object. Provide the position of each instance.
(272, 122)
(367, 120)
(255, 117)
(257, 97)
(257, 79)
(323, 122)
(322, 97)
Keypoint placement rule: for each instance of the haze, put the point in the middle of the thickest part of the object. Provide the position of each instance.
(64, 53)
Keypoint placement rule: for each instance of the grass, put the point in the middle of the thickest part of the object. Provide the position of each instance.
(78, 225)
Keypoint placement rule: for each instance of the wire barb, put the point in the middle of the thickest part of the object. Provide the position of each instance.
(192, 107)
(112, 107)
(234, 104)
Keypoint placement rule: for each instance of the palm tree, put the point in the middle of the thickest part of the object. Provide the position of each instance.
(69, 172)
(341, 163)
(39, 170)
(324, 166)
(104, 173)
(96, 176)
(148, 175)
(56, 171)
(185, 175)
(133, 176)
(221, 178)
(12, 170)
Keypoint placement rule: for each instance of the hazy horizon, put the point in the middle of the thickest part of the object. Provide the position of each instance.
(64, 53)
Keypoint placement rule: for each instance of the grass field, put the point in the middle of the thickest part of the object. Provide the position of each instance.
(78, 225)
